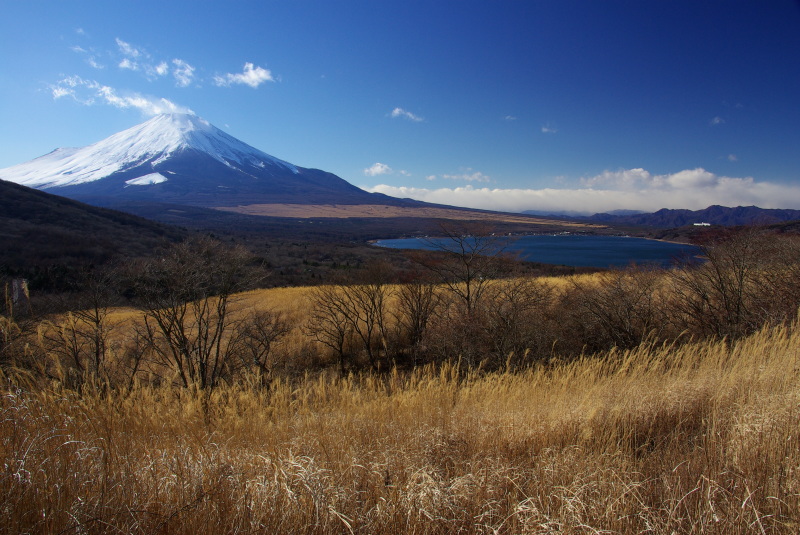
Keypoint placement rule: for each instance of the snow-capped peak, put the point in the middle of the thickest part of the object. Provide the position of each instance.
(148, 143)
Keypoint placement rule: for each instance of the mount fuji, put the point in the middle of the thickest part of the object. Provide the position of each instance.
(182, 159)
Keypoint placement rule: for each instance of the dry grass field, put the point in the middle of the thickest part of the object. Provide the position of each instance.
(702, 438)
(336, 211)
(321, 410)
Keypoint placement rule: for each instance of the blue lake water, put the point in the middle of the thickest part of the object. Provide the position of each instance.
(579, 251)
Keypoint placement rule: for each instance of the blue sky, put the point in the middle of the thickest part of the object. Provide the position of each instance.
(508, 105)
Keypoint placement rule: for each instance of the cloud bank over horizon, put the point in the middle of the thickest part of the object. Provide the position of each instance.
(628, 189)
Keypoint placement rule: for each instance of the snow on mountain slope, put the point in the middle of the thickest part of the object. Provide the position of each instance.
(150, 143)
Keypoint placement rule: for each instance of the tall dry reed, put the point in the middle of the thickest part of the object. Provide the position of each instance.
(701, 438)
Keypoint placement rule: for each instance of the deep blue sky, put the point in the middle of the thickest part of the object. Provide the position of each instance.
(550, 105)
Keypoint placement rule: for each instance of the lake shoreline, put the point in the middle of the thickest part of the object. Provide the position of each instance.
(575, 250)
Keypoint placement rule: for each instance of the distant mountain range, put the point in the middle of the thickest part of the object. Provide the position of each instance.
(714, 215)
(182, 159)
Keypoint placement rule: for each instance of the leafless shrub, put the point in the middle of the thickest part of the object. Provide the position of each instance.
(469, 260)
(186, 297)
(517, 317)
(620, 308)
(260, 332)
(347, 315)
(748, 279)
(417, 303)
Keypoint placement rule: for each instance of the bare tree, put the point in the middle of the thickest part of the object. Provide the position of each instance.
(417, 302)
(717, 296)
(622, 308)
(329, 322)
(80, 338)
(186, 296)
(260, 332)
(748, 279)
(354, 311)
(468, 260)
(516, 311)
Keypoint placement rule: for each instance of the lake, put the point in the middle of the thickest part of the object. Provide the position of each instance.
(579, 251)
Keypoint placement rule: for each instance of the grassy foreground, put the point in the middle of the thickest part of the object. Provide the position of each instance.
(702, 438)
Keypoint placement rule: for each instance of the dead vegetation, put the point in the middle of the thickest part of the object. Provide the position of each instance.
(636, 401)
(701, 438)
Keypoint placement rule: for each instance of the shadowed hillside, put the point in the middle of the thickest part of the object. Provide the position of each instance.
(39, 231)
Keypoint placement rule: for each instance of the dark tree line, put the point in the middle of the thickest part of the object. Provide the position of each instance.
(465, 303)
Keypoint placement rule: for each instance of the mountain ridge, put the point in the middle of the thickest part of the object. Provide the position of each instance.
(181, 158)
(714, 215)
(41, 232)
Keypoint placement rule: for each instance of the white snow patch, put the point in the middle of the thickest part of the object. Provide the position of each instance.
(152, 141)
(147, 180)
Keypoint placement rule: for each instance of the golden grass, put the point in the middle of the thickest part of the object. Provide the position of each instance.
(337, 211)
(702, 438)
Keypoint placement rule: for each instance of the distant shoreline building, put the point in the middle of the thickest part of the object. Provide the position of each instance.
(702, 224)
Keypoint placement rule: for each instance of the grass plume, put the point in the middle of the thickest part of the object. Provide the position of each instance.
(701, 437)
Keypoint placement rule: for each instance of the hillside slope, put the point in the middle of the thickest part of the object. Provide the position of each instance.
(39, 231)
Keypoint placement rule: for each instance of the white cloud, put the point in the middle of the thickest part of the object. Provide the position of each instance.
(626, 189)
(90, 92)
(716, 120)
(510, 118)
(128, 49)
(137, 59)
(631, 179)
(378, 169)
(60, 91)
(126, 63)
(183, 73)
(468, 176)
(90, 59)
(400, 112)
(146, 104)
(733, 158)
(547, 129)
(251, 75)
(161, 69)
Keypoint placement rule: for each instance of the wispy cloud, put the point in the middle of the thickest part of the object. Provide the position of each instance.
(126, 63)
(469, 176)
(510, 118)
(400, 112)
(137, 59)
(127, 49)
(615, 190)
(378, 169)
(91, 92)
(733, 158)
(382, 169)
(131, 57)
(547, 129)
(183, 73)
(161, 69)
(716, 121)
(91, 56)
(250, 75)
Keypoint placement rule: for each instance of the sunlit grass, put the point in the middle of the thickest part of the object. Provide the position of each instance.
(696, 438)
